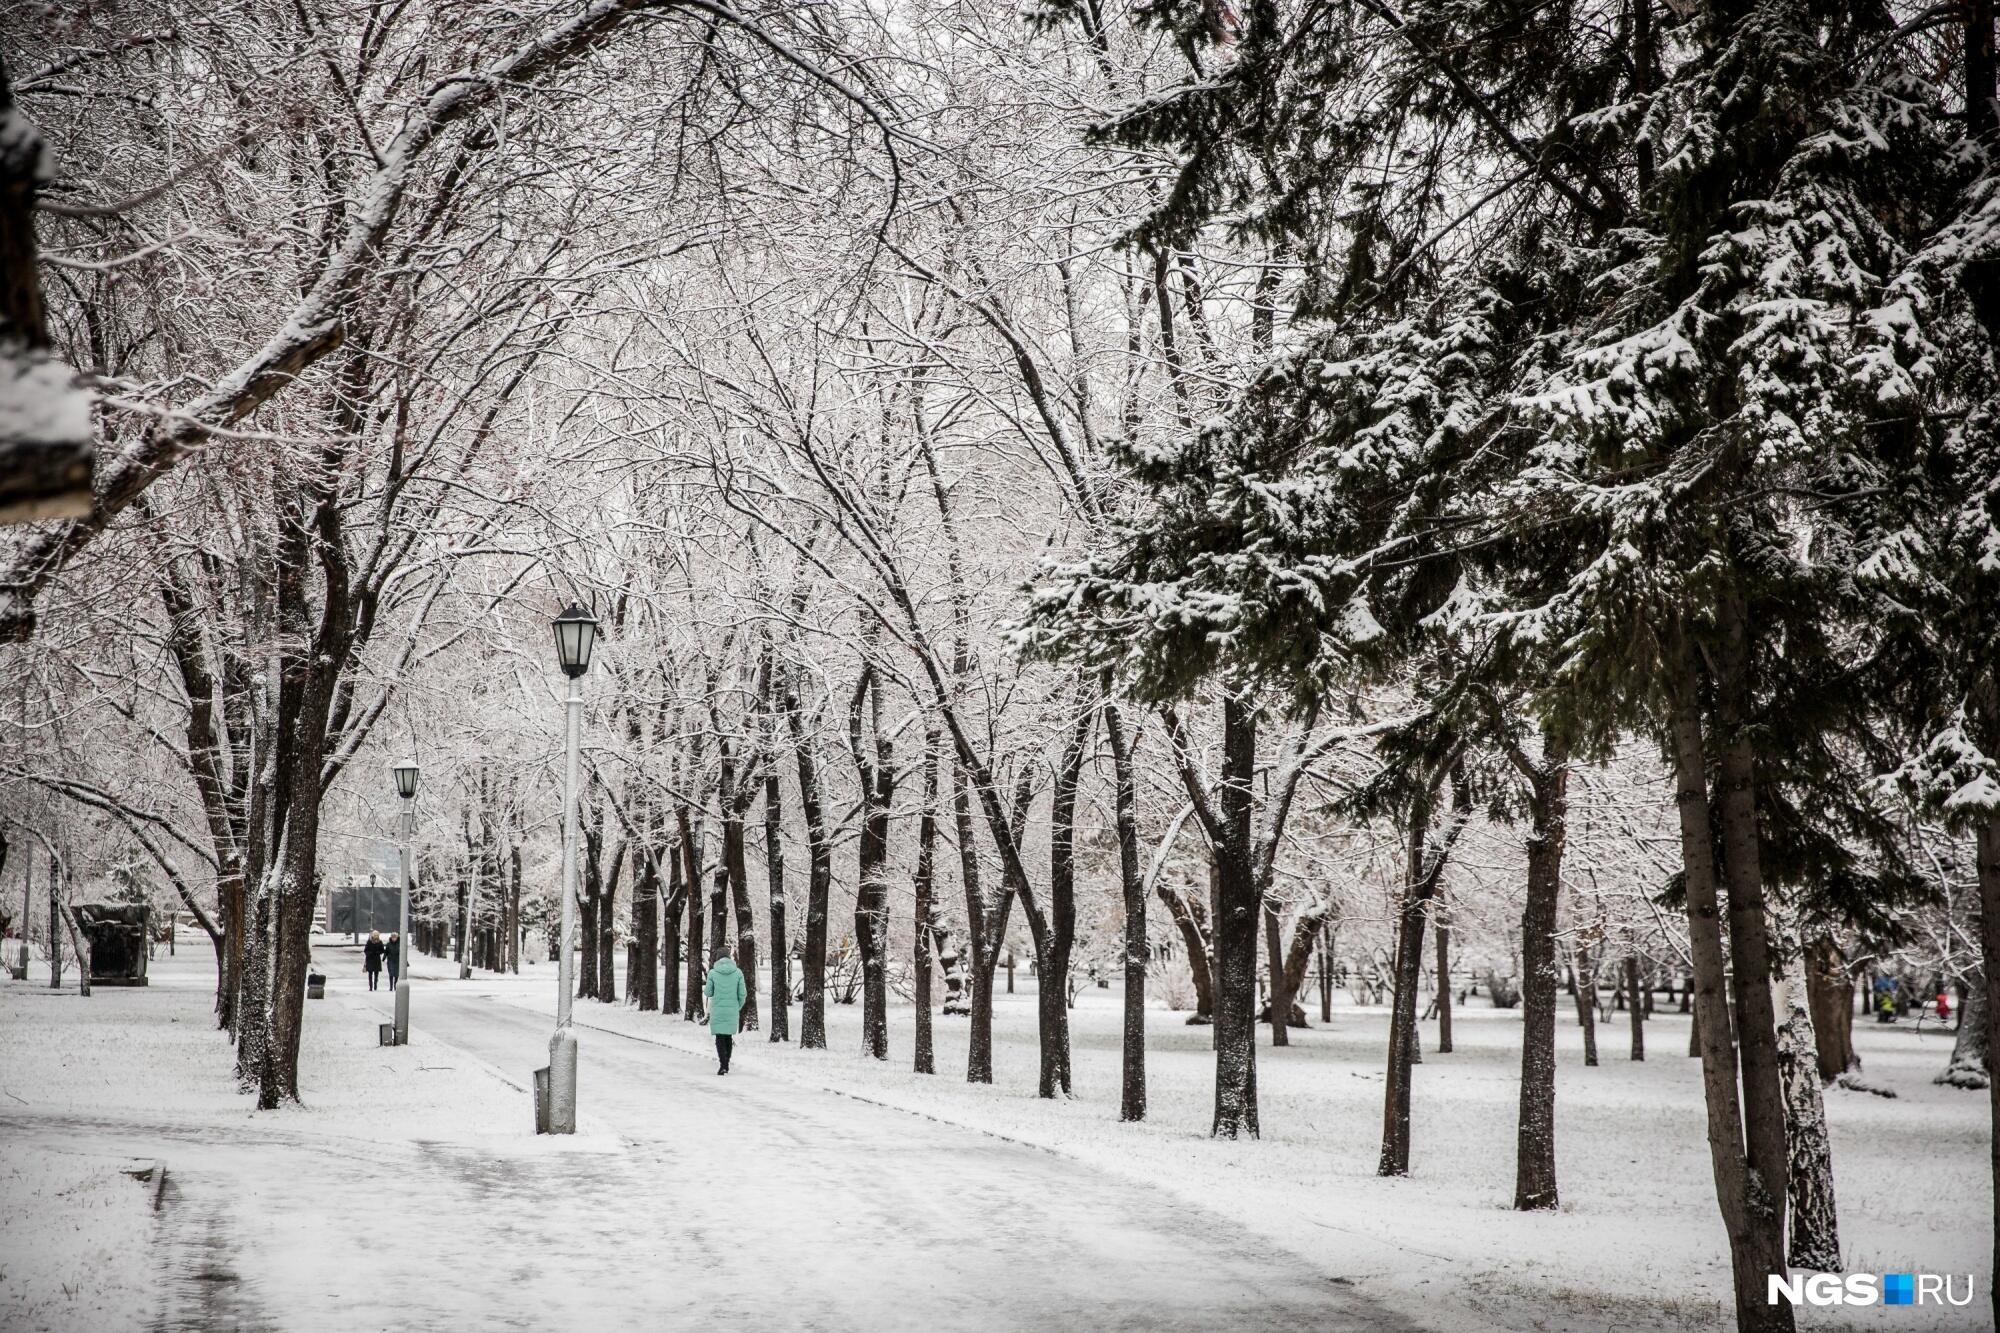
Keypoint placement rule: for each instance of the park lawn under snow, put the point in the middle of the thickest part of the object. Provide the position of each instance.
(90, 1088)
(74, 1235)
(94, 1087)
(1637, 1243)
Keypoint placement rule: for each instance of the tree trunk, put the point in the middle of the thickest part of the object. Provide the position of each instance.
(1444, 983)
(298, 892)
(254, 1021)
(1419, 887)
(229, 904)
(819, 873)
(718, 902)
(1535, 1135)
(1131, 878)
(586, 986)
(692, 1008)
(294, 896)
(1830, 997)
(924, 1062)
(735, 859)
(593, 882)
(1586, 1001)
(514, 909)
(80, 947)
(1058, 935)
(607, 926)
(1989, 940)
(297, 742)
(670, 923)
(1306, 932)
(1969, 1066)
(55, 935)
(1239, 902)
(1325, 955)
(979, 1049)
(642, 978)
(1766, 1154)
(872, 763)
(1815, 1230)
(774, 879)
(462, 937)
(1274, 969)
(1637, 1005)
(1195, 941)
(1747, 1207)
(987, 928)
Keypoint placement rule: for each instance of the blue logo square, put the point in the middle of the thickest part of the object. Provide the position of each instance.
(1898, 1289)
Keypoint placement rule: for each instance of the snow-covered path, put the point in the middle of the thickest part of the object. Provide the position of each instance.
(410, 1192)
(824, 1189)
(749, 1201)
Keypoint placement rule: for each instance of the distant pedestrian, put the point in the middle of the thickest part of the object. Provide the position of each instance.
(1943, 1006)
(392, 954)
(371, 958)
(726, 993)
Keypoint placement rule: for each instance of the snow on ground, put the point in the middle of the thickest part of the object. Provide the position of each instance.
(408, 1167)
(89, 1087)
(74, 1233)
(410, 1192)
(1637, 1243)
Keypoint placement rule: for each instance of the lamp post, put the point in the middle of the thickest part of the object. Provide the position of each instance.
(576, 635)
(406, 832)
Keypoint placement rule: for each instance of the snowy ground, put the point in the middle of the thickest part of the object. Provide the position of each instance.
(410, 1193)
(1636, 1245)
(801, 1191)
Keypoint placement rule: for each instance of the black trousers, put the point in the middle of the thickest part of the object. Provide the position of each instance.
(722, 1047)
(372, 976)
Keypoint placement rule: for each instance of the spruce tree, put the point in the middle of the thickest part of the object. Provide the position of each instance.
(1600, 308)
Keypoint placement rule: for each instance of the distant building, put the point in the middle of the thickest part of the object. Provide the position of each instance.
(365, 899)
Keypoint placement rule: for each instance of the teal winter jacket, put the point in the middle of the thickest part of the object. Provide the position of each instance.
(724, 989)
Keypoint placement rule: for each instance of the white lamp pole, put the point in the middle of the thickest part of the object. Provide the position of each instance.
(576, 632)
(406, 829)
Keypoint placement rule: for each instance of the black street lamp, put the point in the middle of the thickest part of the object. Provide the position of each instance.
(576, 635)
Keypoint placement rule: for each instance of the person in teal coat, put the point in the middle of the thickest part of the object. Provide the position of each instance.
(725, 992)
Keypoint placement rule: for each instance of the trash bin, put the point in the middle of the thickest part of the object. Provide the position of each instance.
(542, 1100)
(387, 1033)
(315, 986)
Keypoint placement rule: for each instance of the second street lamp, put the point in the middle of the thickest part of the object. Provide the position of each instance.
(576, 635)
(406, 831)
